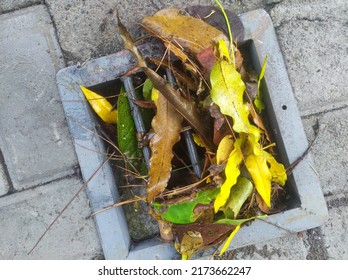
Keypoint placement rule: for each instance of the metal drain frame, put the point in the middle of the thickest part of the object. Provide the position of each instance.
(285, 123)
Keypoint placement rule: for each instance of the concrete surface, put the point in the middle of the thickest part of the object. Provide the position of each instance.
(31, 116)
(25, 215)
(313, 37)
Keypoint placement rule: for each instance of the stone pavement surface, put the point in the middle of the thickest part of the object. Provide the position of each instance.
(37, 160)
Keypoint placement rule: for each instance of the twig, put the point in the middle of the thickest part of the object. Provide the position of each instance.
(291, 168)
(116, 205)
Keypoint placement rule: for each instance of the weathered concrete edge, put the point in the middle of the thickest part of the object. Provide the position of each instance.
(101, 189)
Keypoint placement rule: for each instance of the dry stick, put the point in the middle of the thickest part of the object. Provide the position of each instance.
(293, 165)
(116, 205)
(70, 201)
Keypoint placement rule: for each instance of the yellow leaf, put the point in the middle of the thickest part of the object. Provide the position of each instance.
(261, 175)
(232, 172)
(224, 149)
(223, 51)
(101, 106)
(277, 170)
(154, 94)
(229, 239)
(227, 92)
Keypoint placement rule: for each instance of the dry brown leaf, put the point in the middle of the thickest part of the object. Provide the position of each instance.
(189, 33)
(167, 126)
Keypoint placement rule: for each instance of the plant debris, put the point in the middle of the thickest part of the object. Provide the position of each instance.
(201, 90)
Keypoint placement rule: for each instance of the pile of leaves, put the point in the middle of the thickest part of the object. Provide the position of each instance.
(208, 91)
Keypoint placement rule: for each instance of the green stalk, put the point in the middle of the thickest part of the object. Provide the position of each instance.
(229, 30)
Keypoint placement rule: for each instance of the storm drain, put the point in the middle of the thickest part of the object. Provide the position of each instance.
(307, 208)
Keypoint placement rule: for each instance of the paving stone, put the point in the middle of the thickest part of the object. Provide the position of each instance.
(4, 186)
(11, 5)
(25, 215)
(34, 137)
(330, 149)
(335, 230)
(313, 37)
(87, 29)
(286, 248)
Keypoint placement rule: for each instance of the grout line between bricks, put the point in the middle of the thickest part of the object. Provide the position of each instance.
(311, 113)
(12, 190)
(22, 6)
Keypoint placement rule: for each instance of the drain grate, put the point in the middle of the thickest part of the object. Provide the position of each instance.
(308, 207)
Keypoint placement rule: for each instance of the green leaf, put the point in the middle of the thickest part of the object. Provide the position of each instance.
(183, 213)
(101, 106)
(126, 131)
(227, 92)
(232, 172)
(237, 222)
(239, 194)
(258, 101)
(147, 87)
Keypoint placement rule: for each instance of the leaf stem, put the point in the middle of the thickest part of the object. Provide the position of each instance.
(229, 31)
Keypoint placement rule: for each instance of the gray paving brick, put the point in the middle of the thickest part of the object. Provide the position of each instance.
(313, 38)
(11, 5)
(286, 248)
(4, 186)
(34, 136)
(88, 31)
(24, 216)
(335, 230)
(330, 149)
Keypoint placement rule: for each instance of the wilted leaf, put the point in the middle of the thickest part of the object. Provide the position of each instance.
(229, 239)
(277, 169)
(238, 223)
(165, 230)
(189, 33)
(101, 106)
(261, 175)
(224, 149)
(227, 92)
(211, 233)
(183, 213)
(239, 194)
(258, 101)
(221, 125)
(232, 172)
(191, 242)
(167, 127)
